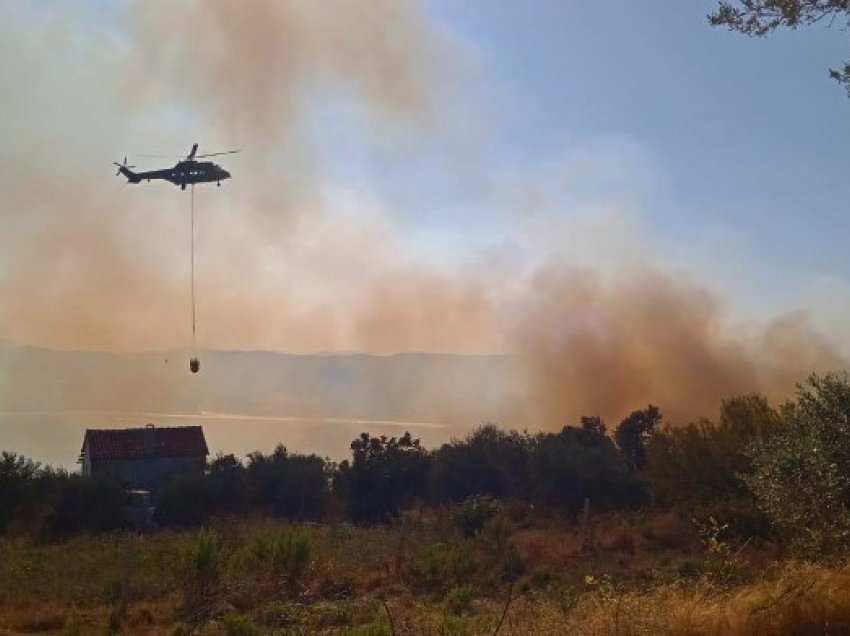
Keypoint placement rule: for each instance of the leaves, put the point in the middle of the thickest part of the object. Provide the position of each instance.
(760, 18)
(801, 475)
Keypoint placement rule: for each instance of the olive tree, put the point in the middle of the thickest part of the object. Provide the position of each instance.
(801, 475)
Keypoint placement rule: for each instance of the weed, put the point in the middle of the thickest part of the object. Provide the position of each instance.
(512, 565)
(602, 585)
(239, 625)
(459, 599)
(286, 555)
(202, 563)
(375, 628)
(278, 615)
(495, 535)
(720, 564)
(444, 565)
(567, 598)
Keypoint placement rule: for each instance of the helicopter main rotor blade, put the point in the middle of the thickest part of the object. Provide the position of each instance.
(160, 156)
(216, 154)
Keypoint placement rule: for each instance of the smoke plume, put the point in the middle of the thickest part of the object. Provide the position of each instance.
(288, 259)
(608, 347)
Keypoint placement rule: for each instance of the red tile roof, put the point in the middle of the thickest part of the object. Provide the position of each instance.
(122, 443)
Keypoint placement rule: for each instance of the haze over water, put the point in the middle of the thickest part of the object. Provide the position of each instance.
(55, 438)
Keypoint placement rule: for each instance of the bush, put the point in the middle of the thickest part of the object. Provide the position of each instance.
(202, 564)
(286, 555)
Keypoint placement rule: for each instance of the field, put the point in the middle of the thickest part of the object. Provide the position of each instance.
(648, 573)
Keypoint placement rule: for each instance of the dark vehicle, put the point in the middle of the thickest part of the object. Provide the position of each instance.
(138, 509)
(189, 171)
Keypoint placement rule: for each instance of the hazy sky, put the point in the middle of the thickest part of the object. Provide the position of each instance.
(392, 149)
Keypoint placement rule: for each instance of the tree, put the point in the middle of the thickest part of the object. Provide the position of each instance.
(762, 17)
(702, 467)
(18, 477)
(191, 499)
(633, 433)
(288, 484)
(581, 462)
(87, 504)
(704, 462)
(801, 475)
(488, 462)
(385, 475)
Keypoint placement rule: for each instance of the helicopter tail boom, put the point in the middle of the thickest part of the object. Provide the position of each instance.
(124, 169)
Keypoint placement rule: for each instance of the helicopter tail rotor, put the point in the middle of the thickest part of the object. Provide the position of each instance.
(124, 169)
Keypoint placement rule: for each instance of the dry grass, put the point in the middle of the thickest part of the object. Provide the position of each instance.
(636, 589)
(801, 599)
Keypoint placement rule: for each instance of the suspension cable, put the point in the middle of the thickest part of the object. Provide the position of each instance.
(192, 265)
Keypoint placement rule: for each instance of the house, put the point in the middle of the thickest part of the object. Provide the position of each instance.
(144, 458)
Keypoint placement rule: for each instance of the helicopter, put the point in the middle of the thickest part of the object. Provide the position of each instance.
(188, 171)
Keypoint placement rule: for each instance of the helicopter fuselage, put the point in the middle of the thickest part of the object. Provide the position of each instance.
(187, 172)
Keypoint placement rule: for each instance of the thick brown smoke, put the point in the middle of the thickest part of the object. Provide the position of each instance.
(254, 64)
(606, 347)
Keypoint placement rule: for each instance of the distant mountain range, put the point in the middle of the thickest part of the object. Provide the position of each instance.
(461, 390)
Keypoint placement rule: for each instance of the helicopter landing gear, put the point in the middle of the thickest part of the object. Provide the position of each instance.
(194, 365)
